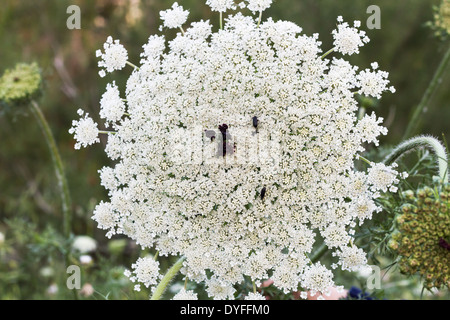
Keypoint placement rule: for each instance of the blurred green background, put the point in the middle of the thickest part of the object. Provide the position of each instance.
(36, 31)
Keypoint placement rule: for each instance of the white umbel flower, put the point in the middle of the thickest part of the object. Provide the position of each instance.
(175, 17)
(318, 279)
(352, 258)
(383, 177)
(348, 40)
(255, 296)
(85, 131)
(115, 56)
(259, 5)
(373, 83)
(84, 244)
(185, 295)
(238, 149)
(112, 106)
(146, 271)
(221, 5)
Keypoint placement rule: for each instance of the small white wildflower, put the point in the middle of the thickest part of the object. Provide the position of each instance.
(219, 290)
(52, 289)
(347, 40)
(185, 295)
(175, 17)
(85, 131)
(115, 56)
(221, 5)
(84, 244)
(382, 177)
(47, 272)
(351, 258)
(369, 128)
(154, 47)
(373, 83)
(255, 296)
(318, 278)
(146, 271)
(85, 259)
(259, 5)
(199, 30)
(112, 106)
(2, 238)
(104, 215)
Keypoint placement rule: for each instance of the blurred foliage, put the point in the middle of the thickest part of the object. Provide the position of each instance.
(31, 262)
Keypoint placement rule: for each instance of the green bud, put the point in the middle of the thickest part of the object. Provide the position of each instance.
(20, 85)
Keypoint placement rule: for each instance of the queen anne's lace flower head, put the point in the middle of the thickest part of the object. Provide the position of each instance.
(145, 271)
(255, 296)
(221, 5)
(115, 56)
(175, 17)
(348, 40)
(85, 131)
(236, 149)
(112, 106)
(259, 5)
(185, 295)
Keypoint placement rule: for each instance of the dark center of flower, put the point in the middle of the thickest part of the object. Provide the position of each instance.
(444, 244)
(16, 79)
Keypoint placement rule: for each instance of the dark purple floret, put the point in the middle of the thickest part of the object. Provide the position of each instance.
(444, 244)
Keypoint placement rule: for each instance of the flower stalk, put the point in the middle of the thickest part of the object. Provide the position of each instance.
(434, 84)
(422, 141)
(58, 165)
(319, 253)
(170, 274)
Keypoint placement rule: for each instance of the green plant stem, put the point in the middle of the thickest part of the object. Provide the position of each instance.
(170, 274)
(327, 53)
(434, 84)
(59, 168)
(61, 177)
(418, 142)
(319, 253)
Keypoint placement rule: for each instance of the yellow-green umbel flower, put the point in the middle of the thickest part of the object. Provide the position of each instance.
(21, 84)
(422, 239)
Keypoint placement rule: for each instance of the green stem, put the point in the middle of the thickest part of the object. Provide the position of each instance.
(319, 253)
(170, 274)
(365, 160)
(59, 168)
(61, 177)
(220, 21)
(434, 84)
(132, 65)
(259, 18)
(418, 142)
(327, 53)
